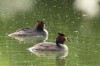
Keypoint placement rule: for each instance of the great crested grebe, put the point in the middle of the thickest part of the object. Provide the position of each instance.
(50, 46)
(39, 31)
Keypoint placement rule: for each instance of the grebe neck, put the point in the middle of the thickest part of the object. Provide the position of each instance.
(39, 28)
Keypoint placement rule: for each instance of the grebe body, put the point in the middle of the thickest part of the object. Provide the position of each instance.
(50, 46)
(38, 31)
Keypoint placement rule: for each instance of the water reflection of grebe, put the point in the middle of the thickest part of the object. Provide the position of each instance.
(25, 33)
(30, 39)
(59, 56)
(50, 46)
(61, 61)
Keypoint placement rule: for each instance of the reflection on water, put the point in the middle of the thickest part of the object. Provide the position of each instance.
(61, 61)
(31, 39)
(50, 54)
(59, 56)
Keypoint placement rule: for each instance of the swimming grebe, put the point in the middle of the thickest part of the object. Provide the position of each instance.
(50, 46)
(39, 31)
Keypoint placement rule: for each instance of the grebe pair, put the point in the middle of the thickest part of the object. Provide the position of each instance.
(41, 31)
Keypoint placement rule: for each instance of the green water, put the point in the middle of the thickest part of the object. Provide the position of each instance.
(59, 16)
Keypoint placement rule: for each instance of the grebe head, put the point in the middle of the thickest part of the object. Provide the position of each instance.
(40, 26)
(66, 38)
(60, 39)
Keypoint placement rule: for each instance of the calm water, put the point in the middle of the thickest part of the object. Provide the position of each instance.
(59, 16)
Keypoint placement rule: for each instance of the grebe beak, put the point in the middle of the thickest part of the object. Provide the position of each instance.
(67, 39)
